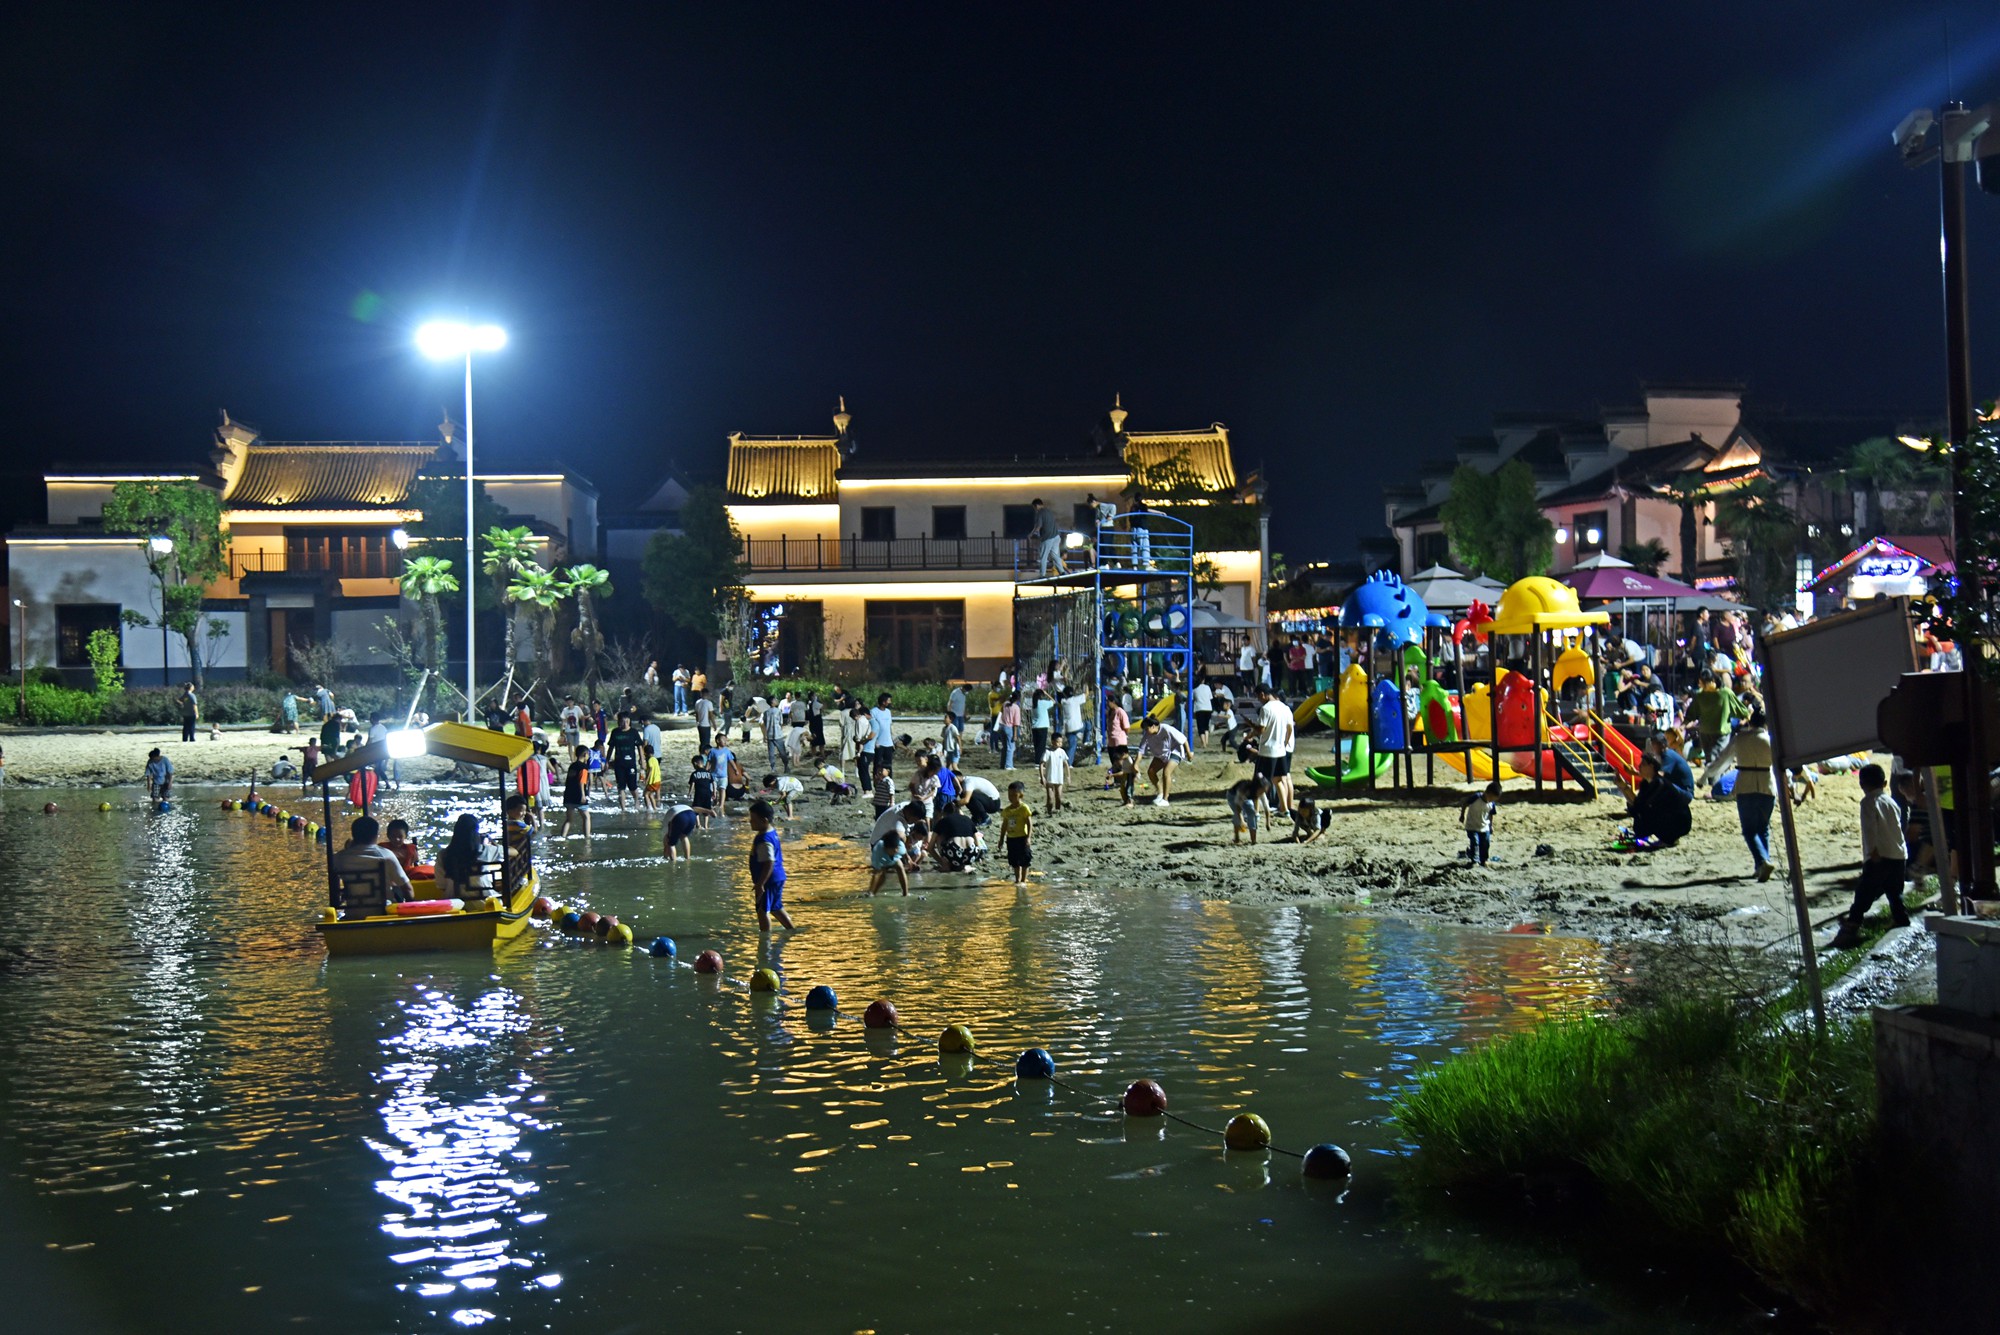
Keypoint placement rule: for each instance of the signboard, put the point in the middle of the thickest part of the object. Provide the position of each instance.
(1885, 566)
(1824, 682)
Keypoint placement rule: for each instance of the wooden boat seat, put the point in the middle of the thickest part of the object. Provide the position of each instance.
(364, 894)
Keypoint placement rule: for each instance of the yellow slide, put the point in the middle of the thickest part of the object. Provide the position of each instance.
(1481, 767)
(1309, 711)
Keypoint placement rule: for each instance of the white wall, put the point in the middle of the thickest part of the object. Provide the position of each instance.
(47, 573)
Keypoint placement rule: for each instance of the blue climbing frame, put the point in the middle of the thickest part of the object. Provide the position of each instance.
(1138, 557)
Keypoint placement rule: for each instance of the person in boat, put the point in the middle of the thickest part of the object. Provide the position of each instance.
(517, 818)
(460, 870)
(363, 858)
(397, 840)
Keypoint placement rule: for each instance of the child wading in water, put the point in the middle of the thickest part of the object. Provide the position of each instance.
(1478, 821)
(767, 869)
(1017, 825)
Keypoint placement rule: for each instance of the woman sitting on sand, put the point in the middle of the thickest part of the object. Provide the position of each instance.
(1660, 816)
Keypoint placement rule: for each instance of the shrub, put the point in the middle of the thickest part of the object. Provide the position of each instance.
(104, 651)
(59, 706)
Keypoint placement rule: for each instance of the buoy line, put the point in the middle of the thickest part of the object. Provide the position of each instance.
(1246, 1132)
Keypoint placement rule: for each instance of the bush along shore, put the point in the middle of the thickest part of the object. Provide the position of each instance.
(1700, 1125)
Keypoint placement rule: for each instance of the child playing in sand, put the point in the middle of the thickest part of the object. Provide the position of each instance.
(1017, 826)
(885, 785)
(767, 869)
(837, 786)
(1310, 820)
(1884, 859)
(1246, 798)
(1055, 773)
(1477, 818)
(1125, 775)
(787, 789)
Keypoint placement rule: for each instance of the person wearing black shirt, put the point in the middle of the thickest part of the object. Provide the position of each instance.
(624, 747)
(575, 800)
(956, 839)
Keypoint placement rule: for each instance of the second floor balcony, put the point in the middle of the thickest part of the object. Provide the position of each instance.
(357, 562)
(805, 554)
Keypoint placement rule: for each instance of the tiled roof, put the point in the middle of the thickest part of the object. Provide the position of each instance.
(1206, 454)
(783, 467)
(341, 473)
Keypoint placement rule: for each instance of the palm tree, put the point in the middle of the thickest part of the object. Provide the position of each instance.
(425, 579)
(586, 583)
(1763, 534)
(508, 552)
(1690, 492)
(541, 592)
(1647, 556)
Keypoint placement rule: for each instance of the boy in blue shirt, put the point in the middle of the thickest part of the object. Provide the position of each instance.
(767, 869)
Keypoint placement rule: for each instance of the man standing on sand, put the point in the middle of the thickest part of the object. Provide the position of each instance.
(1275, 732)
(190, 711)
(681, 680)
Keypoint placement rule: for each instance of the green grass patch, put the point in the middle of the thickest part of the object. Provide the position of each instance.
(1695, 1123)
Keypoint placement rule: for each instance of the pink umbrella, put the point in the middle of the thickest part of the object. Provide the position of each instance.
(1612, 583)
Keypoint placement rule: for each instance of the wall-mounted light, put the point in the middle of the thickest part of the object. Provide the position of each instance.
(1593, 536)
(400, 536)
(1562, 536)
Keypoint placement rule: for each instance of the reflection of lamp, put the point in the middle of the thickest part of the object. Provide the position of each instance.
(21, 662)
(405, 743)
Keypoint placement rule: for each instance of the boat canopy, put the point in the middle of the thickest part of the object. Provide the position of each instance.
(449, 741)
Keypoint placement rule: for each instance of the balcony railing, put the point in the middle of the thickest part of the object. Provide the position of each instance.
(794, 554)
(352, 564)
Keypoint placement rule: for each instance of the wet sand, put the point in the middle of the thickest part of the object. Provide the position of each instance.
(1395, 851)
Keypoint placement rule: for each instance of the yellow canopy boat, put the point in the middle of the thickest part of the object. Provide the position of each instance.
(360, 919)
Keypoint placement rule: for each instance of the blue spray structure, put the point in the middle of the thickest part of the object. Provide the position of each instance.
(1391, 618)
(1136, 580)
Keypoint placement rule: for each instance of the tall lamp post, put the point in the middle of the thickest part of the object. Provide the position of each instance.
(445, 341)
(162, 550)
(21, 657)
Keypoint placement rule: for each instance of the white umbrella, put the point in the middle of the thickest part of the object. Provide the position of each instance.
(1602, 561)
(1444, 589)
(1214, 618)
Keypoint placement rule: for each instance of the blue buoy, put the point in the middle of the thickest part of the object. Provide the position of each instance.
(570, 920)
(1327, 1162)
(663, 946)
(166, 806)
(1035, 1064)
(822, 998)
(324, 837)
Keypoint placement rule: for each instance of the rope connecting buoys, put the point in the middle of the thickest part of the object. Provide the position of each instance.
(822, 998)
(766, 980)
(956, 1038)
(1247, 1131)
(1145, 1098)
(879, 1015)
(663, 947)
(709, 961)
(1327, 1163)
(1035, 1064)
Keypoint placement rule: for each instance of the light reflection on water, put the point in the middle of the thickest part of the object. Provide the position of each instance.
(561, 1134)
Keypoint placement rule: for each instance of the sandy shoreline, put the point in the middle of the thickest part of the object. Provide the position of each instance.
(1395, 852)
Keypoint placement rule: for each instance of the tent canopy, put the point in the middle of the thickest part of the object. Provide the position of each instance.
(448, 741)
(1443, 587)
(1214, 618)
(1611, 582)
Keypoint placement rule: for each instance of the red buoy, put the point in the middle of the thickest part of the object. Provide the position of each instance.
(879, 1015)
(1144, 1098)
(708, 962)
(606, 925)
(541, 908)
(586, 924)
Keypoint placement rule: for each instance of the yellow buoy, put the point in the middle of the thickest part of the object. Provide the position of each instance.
(955, 1038)
(104, 806)
(1247, 1131)
(764, 980)
(622, 934)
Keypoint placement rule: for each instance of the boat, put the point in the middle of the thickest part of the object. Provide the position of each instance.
(346, 925)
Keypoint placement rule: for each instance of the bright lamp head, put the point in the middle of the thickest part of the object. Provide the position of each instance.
(448, 340)
(405, 743)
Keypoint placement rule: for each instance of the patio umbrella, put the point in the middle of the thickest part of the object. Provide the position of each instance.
(1214, 618)
(1612, 582)
(1442, 587)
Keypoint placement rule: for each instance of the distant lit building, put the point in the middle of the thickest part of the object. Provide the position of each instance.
(311, 556)
(909, 567)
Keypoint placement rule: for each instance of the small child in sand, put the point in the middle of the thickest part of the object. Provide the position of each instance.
(1124, 775)
(1055, 773)
(787, 789)
(885, 786)
(1477, 818)
(1310, 820)
(1017, 826)
(1247, 798)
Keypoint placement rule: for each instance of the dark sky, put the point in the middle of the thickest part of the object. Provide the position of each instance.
(1350, 232)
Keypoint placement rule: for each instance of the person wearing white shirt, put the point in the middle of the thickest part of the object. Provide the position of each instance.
(1246, 659)
(1072, 720)
(1204, 710)
(1055, 772)
(1275, 739)
(1163, 746)
(1884, 858)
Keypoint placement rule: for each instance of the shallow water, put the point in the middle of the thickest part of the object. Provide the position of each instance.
(204, 1124)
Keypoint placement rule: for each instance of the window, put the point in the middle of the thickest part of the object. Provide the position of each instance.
(948, 521)
(347, 553)
(878, 523)
(1016, 520)
(1591, 531)
(916, 638)
(1433, 549)
(74, 623)
(1083, 518)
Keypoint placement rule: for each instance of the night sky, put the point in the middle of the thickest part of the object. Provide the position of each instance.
(1350, 232)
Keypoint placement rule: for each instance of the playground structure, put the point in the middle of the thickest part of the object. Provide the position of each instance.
(1124, 604)
(1502, 726)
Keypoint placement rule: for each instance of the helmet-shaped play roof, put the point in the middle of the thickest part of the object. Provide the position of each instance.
(1539, 603)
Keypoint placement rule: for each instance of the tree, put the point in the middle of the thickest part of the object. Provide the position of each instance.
(694, 578)
(425, 580)
(586, 583)
(195, 554)
(1495, 522)
(1880, 467)
(508, 552)
(541, 592)
(1689, 492)
(1763, 537)
(441, 531)
(1648, 556)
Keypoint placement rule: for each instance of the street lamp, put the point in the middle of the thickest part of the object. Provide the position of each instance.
(162, 547)
(444, 341)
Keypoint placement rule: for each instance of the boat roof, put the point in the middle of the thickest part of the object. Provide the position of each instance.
(450, 741)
